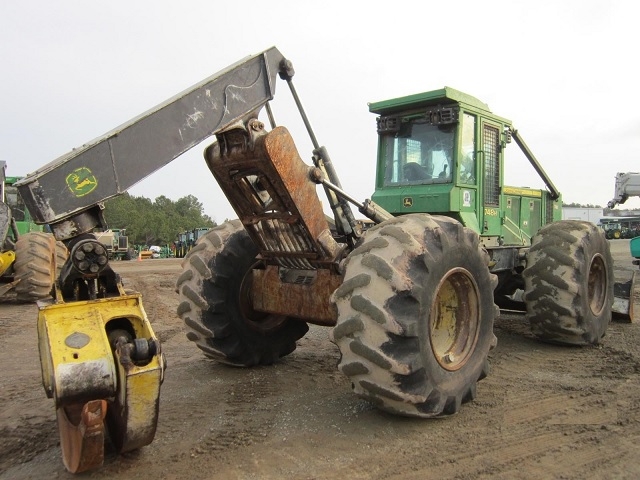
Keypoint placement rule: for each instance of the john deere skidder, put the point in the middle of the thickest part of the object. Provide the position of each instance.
(411, 293)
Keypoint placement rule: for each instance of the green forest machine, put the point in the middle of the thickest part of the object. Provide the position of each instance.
(411, 294)
(26, 250)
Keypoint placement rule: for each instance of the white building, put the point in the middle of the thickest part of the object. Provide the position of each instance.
(592, 215)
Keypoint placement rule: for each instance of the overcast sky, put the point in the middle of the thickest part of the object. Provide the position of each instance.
(565, 72)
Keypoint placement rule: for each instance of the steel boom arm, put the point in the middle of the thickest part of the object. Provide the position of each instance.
(555, 193)
(67, 193)
(627, 185)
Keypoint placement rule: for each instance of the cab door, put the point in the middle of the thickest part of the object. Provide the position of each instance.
(490, 147)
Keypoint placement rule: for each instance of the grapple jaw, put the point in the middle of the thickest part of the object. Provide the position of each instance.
(102, 365)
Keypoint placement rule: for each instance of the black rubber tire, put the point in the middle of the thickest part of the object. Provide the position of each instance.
(392, 310)
(569, 283)
(215, 310)
(35, 265)
(130, 254)
(61, 256)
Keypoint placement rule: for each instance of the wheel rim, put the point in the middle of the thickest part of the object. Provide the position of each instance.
(597, 284)
(260, 321)
(454, 320)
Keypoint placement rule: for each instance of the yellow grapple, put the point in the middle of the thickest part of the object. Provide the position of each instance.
(102, 364)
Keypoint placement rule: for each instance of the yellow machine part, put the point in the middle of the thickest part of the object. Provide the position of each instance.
(6, 260)
(81, 367)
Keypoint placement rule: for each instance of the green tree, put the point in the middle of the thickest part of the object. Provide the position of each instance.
(579, 205)
(155, 222)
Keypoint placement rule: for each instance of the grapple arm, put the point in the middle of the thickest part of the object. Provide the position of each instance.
(555, 193)
(67, 192)
(627, 185)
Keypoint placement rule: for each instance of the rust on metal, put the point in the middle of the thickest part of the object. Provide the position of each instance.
(81, 430)
(269, 187)
(8, 286)
(308, 300)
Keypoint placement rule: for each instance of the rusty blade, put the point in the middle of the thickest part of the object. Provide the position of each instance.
(81, 429)
(8, 286)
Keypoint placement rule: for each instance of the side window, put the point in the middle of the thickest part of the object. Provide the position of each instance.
(468, 155)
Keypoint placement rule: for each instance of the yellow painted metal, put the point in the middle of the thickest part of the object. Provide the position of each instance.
(134, 413)
(75, 355)
(79, 364)
(525, 192)
(6, 260)
(454, 322)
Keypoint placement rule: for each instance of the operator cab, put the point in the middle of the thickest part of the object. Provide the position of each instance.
(442, 152)
(439, 152)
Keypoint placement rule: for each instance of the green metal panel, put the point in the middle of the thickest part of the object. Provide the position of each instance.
(534, 216)
(634, 246)
(26, 227)
(511, 228)
(470, 219)
(425, 99)
(478, 199)
(492, 221)
(414, 199)
(19, 211)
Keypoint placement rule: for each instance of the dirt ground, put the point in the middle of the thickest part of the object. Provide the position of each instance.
(544, 411)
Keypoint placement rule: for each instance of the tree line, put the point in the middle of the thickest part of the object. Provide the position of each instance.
(580, 205)
(155, 222)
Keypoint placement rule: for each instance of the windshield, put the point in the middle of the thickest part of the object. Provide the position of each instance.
(420, 153)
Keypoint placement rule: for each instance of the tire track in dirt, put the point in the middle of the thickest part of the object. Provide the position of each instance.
(534, 430)
(27, 417)
(543, 412)
(254, 409)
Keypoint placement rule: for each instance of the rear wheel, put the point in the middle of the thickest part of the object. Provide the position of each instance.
(35, 265)
(569, 283)
(415, 315)
(215, 302)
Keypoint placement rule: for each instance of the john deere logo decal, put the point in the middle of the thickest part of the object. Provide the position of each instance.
(81, 182)
(407, 202)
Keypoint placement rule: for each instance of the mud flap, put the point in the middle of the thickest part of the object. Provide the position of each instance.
(623, 292)
(100, 355)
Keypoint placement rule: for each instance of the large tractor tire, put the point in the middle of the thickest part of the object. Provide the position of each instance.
(39, 259)
(215, 303)
(415, 316)
(569, 283)
(61, 257)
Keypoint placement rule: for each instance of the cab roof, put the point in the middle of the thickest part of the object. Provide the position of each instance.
(425, 99)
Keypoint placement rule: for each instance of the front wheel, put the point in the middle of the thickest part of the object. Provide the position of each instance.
(569, 283)
(415, 315)
(38, 260)
(215, 303)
